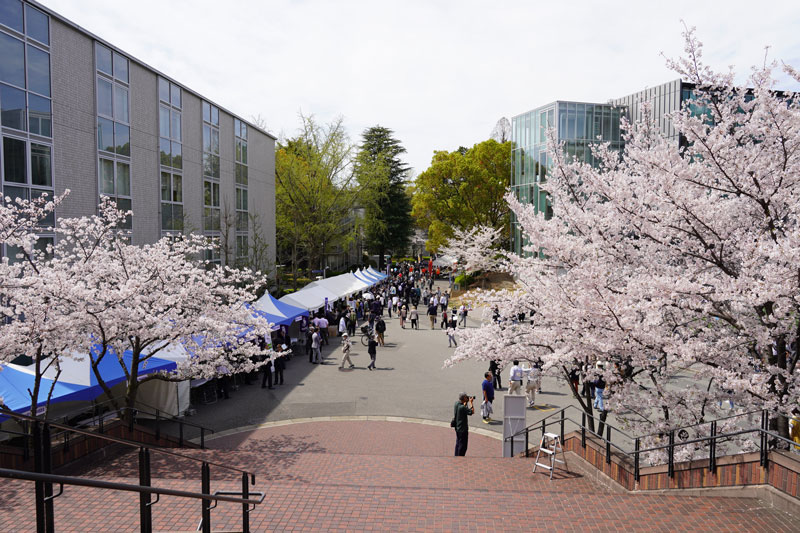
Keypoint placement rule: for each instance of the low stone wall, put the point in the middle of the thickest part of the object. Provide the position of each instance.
(782, 472)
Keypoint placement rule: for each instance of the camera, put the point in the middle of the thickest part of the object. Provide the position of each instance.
(471, 397)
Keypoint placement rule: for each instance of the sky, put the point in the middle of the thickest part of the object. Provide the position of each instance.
(438, 73)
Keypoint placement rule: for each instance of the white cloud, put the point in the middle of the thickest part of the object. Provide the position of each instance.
(439, 73)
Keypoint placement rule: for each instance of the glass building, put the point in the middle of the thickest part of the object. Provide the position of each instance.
(578, 125)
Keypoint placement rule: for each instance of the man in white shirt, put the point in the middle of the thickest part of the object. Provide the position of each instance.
(515, 379)
(323, 327)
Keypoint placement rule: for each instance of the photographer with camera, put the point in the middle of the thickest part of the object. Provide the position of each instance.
(461, 423)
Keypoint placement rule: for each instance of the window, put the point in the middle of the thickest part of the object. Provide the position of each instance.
(11, 14)
(240, 148)
(211, 209)
(211, 199)
(113, 128)
(26, 169)
(171, 202)
(241, 246)
(12, 67)
(169, 124)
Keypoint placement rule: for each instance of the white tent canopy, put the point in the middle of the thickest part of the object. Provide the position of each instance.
(444, 261)
(313, 295)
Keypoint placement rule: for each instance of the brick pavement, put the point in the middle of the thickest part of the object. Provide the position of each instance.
(384, 476)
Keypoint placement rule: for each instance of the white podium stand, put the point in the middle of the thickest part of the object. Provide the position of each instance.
(514, 419)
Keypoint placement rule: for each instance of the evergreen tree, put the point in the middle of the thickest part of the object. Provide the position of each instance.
(382, 176)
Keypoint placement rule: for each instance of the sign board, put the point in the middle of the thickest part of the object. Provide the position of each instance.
(514, 419)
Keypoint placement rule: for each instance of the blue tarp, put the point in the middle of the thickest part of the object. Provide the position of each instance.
(14, 383)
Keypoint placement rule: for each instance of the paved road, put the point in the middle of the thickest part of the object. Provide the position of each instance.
(410, 381)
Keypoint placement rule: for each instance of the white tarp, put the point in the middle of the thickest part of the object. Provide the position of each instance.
(343, 285)
(311, 298)
(167, 396)
(444, 261)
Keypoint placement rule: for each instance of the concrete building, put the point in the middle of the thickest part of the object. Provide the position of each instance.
(80, 114)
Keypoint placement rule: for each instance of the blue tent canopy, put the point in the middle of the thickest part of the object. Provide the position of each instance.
(278, 312)
(15, 382)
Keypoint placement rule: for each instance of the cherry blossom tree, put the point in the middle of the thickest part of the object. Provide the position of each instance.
(141, 299)
(678, 269)
(474, 249)
(97, 294)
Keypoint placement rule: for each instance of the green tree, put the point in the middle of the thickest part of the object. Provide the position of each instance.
(463, 189)
(314, 193)
(388, 224)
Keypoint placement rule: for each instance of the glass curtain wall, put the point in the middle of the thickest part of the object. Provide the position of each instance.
(578, 125)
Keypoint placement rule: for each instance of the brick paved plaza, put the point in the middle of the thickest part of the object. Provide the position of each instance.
(383, 476)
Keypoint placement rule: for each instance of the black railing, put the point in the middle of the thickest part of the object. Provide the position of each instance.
(100, 412)
(767, 439)
(40, 434)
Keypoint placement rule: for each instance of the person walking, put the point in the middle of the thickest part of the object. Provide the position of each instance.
(342, 324)
(432, 315)
(346, 352)
(599, 390)
(515, 379)
(451, 337)
(414, 314)
(316, 347)
(380, 329)
(488, 398)
(372, 350)
(351, 322)
(279, 364)
(531, 385)
(494, 368)
(323, 327)
(266, 379)
(461, 423)
(403, 315)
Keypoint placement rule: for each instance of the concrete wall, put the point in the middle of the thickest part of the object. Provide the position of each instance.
(75, 157)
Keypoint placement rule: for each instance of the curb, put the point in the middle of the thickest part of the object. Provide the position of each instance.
(363, 418)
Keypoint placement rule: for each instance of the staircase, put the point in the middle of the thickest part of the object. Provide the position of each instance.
(390, 476)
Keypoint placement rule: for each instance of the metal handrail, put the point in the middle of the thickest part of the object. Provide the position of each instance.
(538, 423)
(96, 483)
(125, 442)
(701, 423)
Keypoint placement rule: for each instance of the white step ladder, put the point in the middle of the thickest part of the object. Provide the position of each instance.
(551, 445)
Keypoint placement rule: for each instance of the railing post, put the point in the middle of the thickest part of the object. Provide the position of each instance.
(583, 430)
(36, 432)
(512, 445)
(764, 437)
(712, 452)
(544, 427)
(636, 448)
(562, 427)
(145, 512)
(47, 468)
(245, 506)
(206, 489)
(608, 444)
(158, 426)
(180, 435)
(526, 442)
(202, 438)
(100, 423)
(131, 413)
(671, 449)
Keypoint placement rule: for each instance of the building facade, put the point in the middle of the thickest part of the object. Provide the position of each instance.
(578, 125)
(77, 113)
